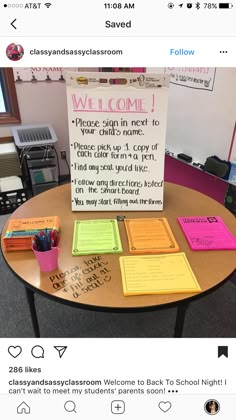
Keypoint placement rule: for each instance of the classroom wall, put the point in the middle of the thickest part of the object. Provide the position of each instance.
(200, 122)
(44, 103)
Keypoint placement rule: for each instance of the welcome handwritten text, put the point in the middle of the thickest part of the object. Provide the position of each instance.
(87, 103)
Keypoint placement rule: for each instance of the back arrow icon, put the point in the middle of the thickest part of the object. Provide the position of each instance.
(12, 23)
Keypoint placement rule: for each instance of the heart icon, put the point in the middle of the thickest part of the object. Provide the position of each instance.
(14, 351)
(164, 406)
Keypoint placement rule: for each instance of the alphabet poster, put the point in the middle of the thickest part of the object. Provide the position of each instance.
(117, 127)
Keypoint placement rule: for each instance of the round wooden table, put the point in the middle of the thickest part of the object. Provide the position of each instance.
(94, 281)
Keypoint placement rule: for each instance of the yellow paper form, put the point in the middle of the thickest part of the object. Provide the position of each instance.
(150, 236)
(157, 274)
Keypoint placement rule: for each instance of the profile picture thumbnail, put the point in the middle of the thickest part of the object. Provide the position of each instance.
(212, 407)
(15, 51)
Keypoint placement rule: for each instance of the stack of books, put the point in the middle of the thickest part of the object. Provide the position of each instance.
(20, 232)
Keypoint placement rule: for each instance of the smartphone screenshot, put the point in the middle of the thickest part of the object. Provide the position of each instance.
(117, 209)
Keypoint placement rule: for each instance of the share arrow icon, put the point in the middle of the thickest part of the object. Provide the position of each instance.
(61, 350)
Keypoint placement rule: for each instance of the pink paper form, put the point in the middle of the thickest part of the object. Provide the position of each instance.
(207, 232)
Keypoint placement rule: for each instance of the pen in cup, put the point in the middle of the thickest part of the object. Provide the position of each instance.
(45, 240)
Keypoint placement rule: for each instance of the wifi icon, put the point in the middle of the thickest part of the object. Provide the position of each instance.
(47, 5)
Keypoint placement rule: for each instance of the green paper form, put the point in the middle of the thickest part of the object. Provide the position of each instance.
(96, 237)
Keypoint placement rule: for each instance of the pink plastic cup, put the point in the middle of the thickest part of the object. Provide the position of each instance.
(48, 260)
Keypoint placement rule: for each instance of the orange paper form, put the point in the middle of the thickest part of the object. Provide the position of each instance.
(157, 274)
(150, 236)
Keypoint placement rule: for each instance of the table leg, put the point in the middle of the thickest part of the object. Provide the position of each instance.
(31, 303)
(180, 317)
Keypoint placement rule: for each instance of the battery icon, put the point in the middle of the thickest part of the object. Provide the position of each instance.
(225, 5)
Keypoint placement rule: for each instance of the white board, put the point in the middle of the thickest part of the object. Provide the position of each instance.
(200, 121)
(117, 126)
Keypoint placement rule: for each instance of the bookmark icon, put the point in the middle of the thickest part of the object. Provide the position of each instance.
(223, 351)
(61, 350)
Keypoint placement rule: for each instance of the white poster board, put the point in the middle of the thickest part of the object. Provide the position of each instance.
(117, 126)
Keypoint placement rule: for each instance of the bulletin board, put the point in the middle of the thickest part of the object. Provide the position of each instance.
(117, 127)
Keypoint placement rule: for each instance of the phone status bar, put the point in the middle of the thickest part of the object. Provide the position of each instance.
(198, 6)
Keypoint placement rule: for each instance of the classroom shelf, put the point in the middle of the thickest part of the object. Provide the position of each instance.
(41, 168)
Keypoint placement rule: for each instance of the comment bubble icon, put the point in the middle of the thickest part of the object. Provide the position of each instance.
(37, 352)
